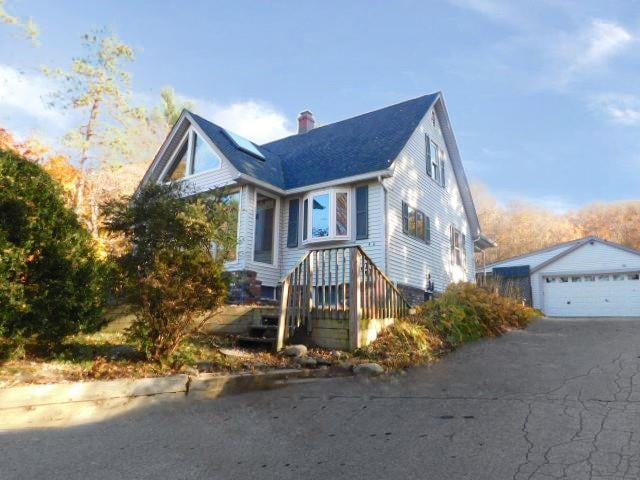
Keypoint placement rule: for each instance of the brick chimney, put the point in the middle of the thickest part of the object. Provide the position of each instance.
(305, 122)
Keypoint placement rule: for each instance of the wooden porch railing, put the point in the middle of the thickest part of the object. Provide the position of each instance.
(337, 283)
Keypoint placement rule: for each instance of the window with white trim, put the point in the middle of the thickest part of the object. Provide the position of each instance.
(458, 247)
(326, 215)
(264, 230)
(193, 156)
(435, 161)
(415, 223)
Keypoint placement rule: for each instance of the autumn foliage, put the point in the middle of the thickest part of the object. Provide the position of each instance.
(51, 283)
(522, 227)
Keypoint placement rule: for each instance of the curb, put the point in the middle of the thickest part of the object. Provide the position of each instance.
(215, 386)
(81, 402)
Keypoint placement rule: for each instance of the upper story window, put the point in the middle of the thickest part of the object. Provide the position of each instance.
(326, 215)
(415, 223)
(435, 161)
(458, 247)
(193, 156)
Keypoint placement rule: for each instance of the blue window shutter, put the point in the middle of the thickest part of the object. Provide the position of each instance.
(294, 215)
(427, 229)
(405, 217)
(305, 219)
(427, 142)
(442, 162)
(362, 212)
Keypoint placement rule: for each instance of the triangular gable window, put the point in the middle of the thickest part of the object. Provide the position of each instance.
(179, 168)
(194, 156)
(204, 158)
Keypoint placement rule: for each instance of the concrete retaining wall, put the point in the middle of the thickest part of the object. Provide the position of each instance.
(330, 333)
(236, 319)
(333, 333)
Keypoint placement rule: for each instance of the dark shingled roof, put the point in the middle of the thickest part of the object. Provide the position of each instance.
(358, 145)
(268, 170)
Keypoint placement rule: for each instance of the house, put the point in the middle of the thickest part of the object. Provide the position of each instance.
(589, 277)
(388, 185)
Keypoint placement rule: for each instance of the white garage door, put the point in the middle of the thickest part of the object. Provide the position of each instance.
(601, 295)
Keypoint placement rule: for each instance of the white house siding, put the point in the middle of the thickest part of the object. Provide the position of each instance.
(596, 257)
(410, 260)
(373, 246)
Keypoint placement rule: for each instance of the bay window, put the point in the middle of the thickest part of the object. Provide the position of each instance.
(264, 230)
(326, 215)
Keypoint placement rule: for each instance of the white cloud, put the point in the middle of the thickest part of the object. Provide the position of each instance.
(26, 94)
(258, 121)
(25, 110)
(620, 108)
(589, 49)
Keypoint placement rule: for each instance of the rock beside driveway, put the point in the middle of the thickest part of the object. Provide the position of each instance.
(371, 369)
(307, 362)
(295, 351)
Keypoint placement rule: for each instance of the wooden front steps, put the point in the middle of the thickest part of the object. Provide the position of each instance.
(263, 336)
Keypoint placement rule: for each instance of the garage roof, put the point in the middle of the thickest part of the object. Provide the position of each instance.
(539, 259)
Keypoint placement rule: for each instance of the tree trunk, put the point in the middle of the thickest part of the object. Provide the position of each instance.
(84, 155)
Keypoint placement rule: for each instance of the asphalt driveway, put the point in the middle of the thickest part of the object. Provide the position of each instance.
(558, 400)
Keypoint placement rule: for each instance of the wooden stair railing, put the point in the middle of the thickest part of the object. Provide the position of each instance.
(341, 283)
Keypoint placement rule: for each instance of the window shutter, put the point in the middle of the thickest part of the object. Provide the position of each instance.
(305, 219)
(463, 250)
(294, 215)
(362, 212)
(442, 162)
(427, 229)
(427, 142)
(405, 217)
(453, 247)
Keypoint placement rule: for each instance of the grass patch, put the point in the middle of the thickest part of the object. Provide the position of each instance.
(91, 356)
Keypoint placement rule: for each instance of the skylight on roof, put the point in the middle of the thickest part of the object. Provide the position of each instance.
(244, 144)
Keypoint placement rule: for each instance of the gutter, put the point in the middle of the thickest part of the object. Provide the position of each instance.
(379, 174)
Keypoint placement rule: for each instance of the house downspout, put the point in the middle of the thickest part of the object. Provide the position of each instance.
(385, 229)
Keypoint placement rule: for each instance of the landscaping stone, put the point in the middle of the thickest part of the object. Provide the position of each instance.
(339, 355)
(307, 362)
(345, 366)
(124, 352)
(323, 361)
(372, 369)
(295, 351)
(207, 367)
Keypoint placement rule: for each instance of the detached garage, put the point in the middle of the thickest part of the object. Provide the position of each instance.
(589, 277)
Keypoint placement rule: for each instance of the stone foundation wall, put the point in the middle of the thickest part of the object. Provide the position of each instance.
(414, 296)
(244, 287)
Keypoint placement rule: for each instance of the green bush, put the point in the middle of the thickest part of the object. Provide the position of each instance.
(463, 313)
(169, 272)
(467, 312)
(51, 282)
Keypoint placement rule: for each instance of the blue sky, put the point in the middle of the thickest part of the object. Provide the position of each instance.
(544, 96)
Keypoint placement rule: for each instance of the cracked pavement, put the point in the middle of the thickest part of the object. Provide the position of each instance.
(560, 400)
